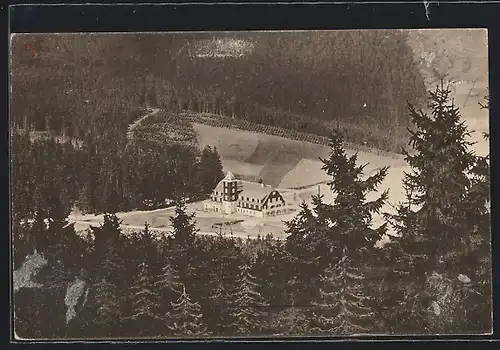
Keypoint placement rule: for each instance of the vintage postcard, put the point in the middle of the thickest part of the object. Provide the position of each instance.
(250, 184)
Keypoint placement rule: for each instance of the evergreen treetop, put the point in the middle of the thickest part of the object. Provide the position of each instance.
(439, 213)
(187, 317)
(168, 280)
(144, 298)
(444, 214)
(344, 306)
(183, 227)
(350, 213)
(247, 304)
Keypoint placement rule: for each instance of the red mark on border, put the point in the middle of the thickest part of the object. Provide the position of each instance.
(33, 50)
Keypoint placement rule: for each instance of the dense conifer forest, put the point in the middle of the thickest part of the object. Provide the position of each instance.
(326, 278)
(354, 81)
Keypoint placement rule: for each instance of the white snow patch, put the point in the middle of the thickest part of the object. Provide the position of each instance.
(73, 293)
(23, 277)
(464, 278)
(436, 309)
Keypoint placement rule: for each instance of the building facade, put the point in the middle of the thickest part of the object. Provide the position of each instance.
(232, 196)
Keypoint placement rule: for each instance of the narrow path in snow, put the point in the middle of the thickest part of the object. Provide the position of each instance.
(134, 125)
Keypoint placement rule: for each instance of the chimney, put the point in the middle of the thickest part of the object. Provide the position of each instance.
(319, 191)
(262, 184)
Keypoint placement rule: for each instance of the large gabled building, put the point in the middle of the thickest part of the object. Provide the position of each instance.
(244, 197)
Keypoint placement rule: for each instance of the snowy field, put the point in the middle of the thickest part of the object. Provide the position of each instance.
(307, 173)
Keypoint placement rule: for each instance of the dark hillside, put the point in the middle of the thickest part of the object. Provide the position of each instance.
(70, 83)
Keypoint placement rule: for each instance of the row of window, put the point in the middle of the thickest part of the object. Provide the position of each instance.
(248, 205)
(246, 211)
(233, 197)
(244, 204)
(248, 199)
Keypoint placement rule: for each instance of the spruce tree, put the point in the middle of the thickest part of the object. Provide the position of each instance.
(209, 169)
(247, 305)
(223, 259)
(292, 321)
(306, 255)
(271, 272)
(183, 227)
(183, 237)
(186, 317)
(405, 275)
(168, 283)
(344, 307)
(218, 173)
(442, 156)
(147, 250)
(169, 287)
(145, 302)
(106, 297)
(446, 203)
(350, 240)
(478, 290)
(107, 314)
(84, 201)
(328, 315)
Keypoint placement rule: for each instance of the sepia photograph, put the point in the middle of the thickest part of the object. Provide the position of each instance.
(271, 184)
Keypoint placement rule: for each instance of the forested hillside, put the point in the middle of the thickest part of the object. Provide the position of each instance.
(307, 81)
(72, 84)
(328, 278)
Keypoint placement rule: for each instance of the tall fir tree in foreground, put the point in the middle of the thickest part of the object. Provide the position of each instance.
(445, 210)
(247, 305)
(168, 282)
(145, 302)
(271, 271)
(187, 317)
(442, 156)
(106, 314)
(185, 252)
(183, 227)
(345, 302)
(103, 310)
(169, 286)
(183, 237)
(224, 260)
(306, 256)
(478, 303)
